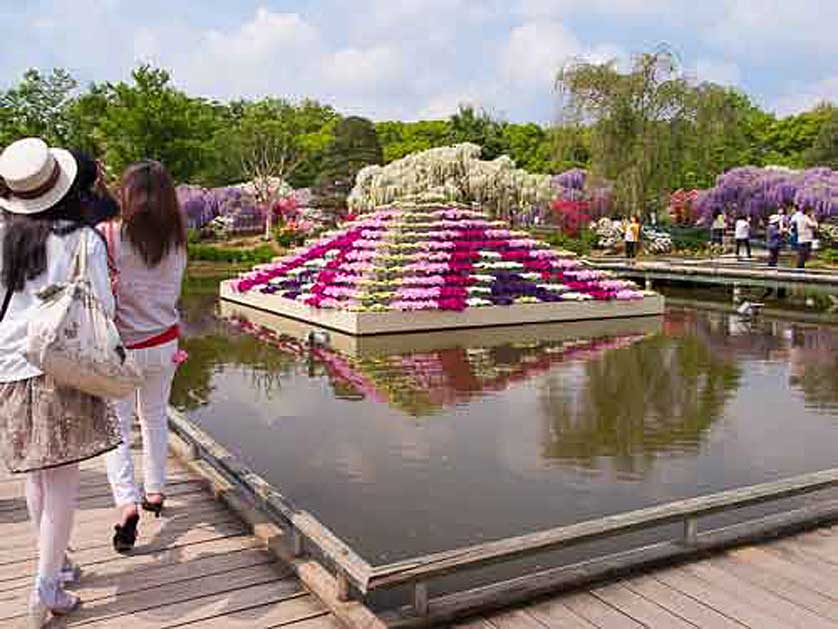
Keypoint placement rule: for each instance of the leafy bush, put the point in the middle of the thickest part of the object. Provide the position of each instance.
(688, 238)
(212, 253)
(580, 245)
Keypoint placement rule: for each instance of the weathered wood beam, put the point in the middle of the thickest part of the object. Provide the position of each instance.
(448, 608)
(446, 562)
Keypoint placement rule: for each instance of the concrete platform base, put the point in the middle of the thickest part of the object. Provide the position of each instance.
(369, 323)
(381, 345)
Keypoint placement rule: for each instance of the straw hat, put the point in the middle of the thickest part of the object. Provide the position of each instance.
(34, 177)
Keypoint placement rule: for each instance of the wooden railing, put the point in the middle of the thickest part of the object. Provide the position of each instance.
(354, 573)
(422, 569)
(305, 531)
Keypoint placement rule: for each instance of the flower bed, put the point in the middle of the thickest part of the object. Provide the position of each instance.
(430, 257)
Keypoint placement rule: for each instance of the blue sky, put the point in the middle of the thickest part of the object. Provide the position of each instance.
(414, 59)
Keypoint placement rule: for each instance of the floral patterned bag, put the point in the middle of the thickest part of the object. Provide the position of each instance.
(72, 339)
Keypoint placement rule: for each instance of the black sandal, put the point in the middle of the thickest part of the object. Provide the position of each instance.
(125, 535)
(154, 507)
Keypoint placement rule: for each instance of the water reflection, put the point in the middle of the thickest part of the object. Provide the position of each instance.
(424, 442)
(657, 395)
(421, 384)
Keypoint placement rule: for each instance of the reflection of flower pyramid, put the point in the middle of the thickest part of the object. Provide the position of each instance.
(431, 258)
(425, 383)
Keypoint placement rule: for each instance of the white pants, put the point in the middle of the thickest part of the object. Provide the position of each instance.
(150, 403)
(51, 497)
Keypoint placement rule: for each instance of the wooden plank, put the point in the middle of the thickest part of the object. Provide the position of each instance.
(527, 587)
(814, 561)
(779, 585)
(98, 534)
(439, 564)
(90, 480)
(333, 547)
(515, 619)
(194, 611)
(678, 603)
(321, 622)
(800, 574)
(128, 580)
(639, 608)
(98, 574)
(792, 615)
(99, 499)
(554, 613)
(285, 613)
(598, 612)
(475, 623)
(717, 598)
(101, 515)
(192, 592)
(104, 553)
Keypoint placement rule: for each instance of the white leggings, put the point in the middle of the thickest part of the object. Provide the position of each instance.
(51, 496)
(150, 403)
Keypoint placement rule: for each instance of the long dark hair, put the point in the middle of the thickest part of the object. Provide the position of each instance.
(151, 216)
(25, 237)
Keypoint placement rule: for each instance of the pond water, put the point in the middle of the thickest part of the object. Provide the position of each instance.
(428, 442)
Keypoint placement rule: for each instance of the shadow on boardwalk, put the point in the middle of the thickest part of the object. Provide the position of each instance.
(196, 566)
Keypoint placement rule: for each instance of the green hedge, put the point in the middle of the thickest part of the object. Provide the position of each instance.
(214, 253)
(581, 245)
(689, 238)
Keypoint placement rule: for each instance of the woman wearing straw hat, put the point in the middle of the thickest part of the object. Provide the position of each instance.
(45, 429)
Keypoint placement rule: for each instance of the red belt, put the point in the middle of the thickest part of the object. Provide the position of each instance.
(168, 336)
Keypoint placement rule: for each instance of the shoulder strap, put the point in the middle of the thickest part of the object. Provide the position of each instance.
(6, 301)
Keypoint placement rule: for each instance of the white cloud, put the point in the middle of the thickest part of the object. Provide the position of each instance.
(535, 51)
(775, 28)
(360, 69)
(797, 97)
(447, 103)
(715, 71)
(554, 8)
(412, 58)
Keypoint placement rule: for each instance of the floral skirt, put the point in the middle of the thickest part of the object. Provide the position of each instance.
(44, 425)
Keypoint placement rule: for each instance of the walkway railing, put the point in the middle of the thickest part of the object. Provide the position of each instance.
(353, 573)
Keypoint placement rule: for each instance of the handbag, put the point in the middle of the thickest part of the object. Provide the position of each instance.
(73, 340)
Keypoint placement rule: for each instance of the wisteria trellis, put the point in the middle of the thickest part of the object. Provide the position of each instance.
(430, 257)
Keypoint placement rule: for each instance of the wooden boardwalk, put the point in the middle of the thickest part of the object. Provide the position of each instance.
(198, 566)
(791, 582)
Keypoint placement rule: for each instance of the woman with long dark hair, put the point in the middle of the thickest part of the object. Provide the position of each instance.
(46, 429)
(148, 248)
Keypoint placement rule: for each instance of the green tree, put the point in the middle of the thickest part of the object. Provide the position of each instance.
(355, 145)
(477, 127)
(787, 140)
(650, 130)
(530, 146)
(399, 139)
(152, 120)
(285, 137)
(824, 149)
(37, 106)
(84, 116)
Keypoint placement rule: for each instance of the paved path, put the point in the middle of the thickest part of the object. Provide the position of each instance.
(198, 566)
(792, 582)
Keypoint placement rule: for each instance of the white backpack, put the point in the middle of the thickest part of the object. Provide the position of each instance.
(72, 339)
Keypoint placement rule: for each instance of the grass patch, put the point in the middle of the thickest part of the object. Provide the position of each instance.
(233, 255)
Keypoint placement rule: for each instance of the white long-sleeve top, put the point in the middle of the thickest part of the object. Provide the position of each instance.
(60, 252)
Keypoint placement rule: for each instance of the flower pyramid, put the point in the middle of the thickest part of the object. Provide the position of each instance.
(430, 257)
